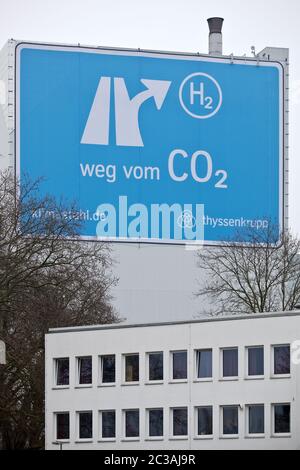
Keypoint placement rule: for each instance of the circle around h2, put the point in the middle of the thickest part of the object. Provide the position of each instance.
(200, 95)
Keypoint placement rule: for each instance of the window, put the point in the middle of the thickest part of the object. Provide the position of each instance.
(204, 363)
(156, 422)
(132, 368)
(282, 418)
(156, 366)
(108, 368)
(256, 361)
(132, 423)
(256, 419)
(84, 370)
(62, 371)
(62, 426)
(281, 359)
(85, 424)
(179, 362)
(108, 424)
(180, 422)
(230, 362)
(230, 420)
(204, 421)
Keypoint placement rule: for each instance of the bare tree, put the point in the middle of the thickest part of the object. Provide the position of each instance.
(48, 278)
(261, 275)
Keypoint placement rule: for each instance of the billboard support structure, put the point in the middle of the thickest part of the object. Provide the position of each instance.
(281, 55)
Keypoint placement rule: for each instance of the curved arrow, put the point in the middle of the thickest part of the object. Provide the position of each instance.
(127, 110)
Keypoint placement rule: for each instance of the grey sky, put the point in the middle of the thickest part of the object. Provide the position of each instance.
(169, 25)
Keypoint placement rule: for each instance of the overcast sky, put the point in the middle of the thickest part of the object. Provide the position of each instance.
(174, 25)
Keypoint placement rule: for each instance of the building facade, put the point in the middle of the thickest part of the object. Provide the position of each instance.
(213, 383)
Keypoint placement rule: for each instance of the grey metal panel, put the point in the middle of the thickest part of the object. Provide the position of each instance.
(7, 105)
(250, 316)
(281, 55)
(156, 282)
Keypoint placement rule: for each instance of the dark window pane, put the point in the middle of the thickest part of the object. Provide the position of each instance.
(230, 420)
(156, 366)
(180, 421)
(256, 361)
(62, 426)
(282, 418)
(62, 371)
(256, 419)
(132, 424)
(108, 368)
(86, 425)
(180, 365)
(85, 370)
(230, 362)
(132, 368)
(204, 363)
(281, 359)
(108, 424)
(156, 422)
(205, 425)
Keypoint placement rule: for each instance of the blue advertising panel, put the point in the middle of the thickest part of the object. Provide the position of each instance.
(153, 147)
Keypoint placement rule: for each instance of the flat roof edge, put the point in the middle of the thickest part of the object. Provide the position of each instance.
(195, 53)
(113, 326)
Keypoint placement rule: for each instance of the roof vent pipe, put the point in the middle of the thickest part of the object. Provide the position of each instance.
(215, 46)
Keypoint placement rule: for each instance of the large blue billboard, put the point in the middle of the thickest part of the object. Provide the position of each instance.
(153, 147)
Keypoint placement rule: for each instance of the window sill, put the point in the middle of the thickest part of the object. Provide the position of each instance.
(207, 379)
(129, 384)
(288, 434)
(229, 436)
(255, 436)
(255, 377)
(178, 438)
(107, 439)
(61, 441)
(204, 437)
(61, 387)
(154, 382)
(178, 381)
(130, 439)
(108, 384)
(280, 376)
(158, 438)
(83, 441)
(84, 386)
(228, 379)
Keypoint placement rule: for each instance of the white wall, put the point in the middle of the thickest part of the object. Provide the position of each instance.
(251, 331)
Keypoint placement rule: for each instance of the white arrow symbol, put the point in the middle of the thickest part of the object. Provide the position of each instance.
(157, 89)
(97, 127)
(127, 110)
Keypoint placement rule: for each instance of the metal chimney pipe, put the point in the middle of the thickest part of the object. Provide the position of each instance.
(215, 46)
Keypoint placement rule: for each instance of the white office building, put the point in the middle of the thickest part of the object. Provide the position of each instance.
(213, 383)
